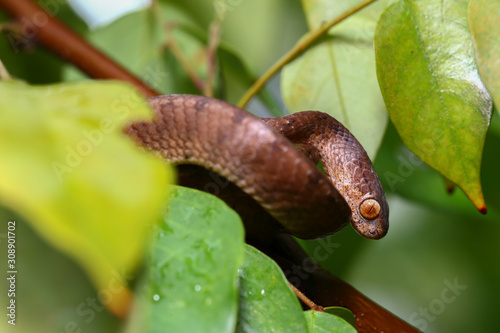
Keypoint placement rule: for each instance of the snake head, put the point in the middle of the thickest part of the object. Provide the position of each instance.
(370, 216)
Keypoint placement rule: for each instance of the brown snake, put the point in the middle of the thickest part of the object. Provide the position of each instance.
(250, 152)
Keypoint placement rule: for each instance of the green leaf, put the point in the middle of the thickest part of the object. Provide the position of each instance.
(192, 272)
(343, 313)
(319, 11)
(319, 322)
(407, 176)
(432, 89)
(483, 19)
(338, 76)
(69, 169)
(132, 41)
(236, 76)
(267, 303)
(138, 42)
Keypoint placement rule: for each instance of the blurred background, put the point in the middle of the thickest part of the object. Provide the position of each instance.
(438, 267)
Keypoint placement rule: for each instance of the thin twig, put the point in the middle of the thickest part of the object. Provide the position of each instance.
(185, 64)
(298, 49)
(306, 300)
(13, 27)
(213, 42)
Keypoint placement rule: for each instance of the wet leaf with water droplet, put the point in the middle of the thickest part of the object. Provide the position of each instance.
(192, 269)
(266, 301)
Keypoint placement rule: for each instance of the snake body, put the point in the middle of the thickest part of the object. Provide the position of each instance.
(257, 155)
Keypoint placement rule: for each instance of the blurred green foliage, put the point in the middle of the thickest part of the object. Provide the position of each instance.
(435, 239)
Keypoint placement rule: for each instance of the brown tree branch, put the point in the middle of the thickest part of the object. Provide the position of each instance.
(43, 28)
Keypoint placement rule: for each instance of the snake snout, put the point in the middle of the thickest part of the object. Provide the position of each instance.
(372, 229)
(376, 231)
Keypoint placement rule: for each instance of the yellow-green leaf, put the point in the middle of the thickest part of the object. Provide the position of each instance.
(484, 16)
(66, 166)
(319, 11)
(432, 90)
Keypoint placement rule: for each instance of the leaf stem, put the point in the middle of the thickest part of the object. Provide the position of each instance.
(172, 45)
(13, 27)
(4, 73)
(306, 300)
(298, 49)
(213, 42)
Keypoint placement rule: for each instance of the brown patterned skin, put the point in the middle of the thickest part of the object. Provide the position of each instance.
(346, 164)
(197, 130)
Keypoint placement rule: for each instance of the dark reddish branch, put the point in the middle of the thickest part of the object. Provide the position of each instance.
(322, 287)
(325, 289)
(43, 28)
(370, 317)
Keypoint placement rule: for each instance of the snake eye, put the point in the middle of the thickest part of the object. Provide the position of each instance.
(369, 209)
